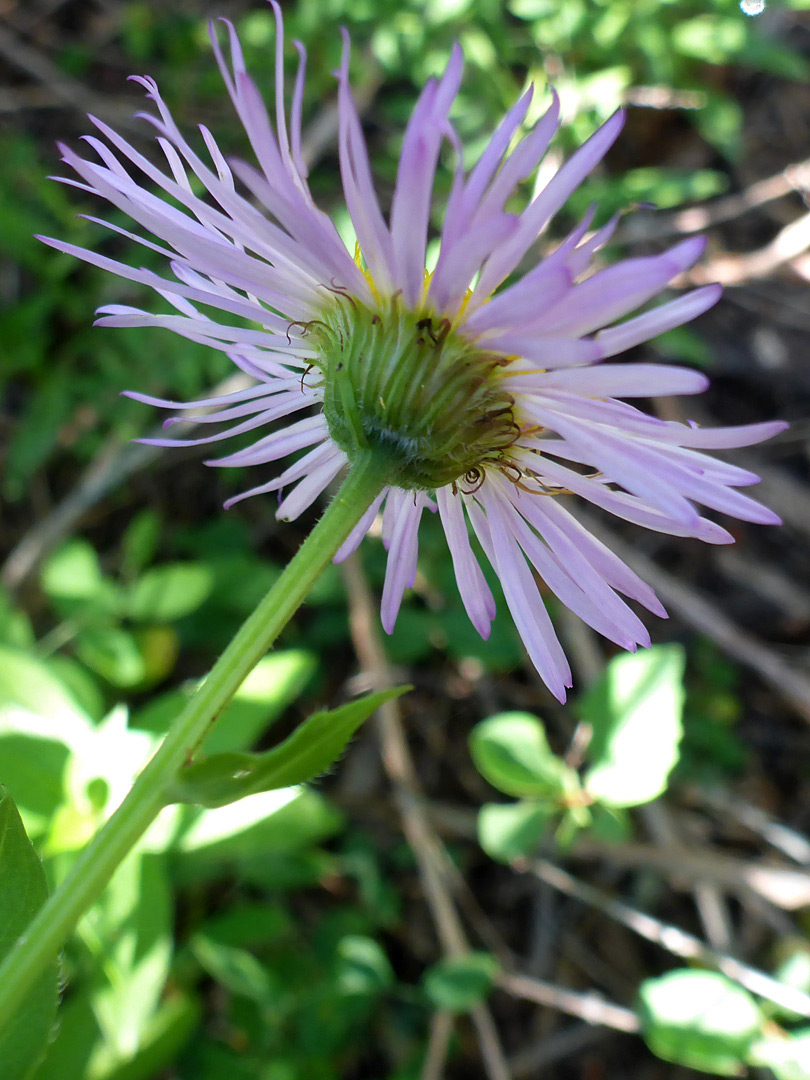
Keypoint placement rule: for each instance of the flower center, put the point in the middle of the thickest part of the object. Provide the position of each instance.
(407, 385)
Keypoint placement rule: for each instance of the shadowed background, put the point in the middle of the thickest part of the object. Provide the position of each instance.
(295, 941)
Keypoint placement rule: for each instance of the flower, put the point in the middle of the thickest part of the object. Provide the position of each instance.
(490, 396)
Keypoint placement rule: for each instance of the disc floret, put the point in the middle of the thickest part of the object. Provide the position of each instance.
(407, 385)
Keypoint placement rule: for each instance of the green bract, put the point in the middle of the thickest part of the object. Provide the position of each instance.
(406, 385)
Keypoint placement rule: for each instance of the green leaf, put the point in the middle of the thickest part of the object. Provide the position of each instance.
(73, 581)
(166, 1034)
(793, 971)
(169, 592)
(709, 38)
(363, 967)
(235, 969)
(635, 711)
(700, 1019)
(15, 626)
(510, 750)
(275, 682)
(112, 653)
(461, 983)
(289, 820)
(76, 1044)
(34, 769)
(40, 723)
(309, 751)
(507, 831)
(22, 892)
(129, 933)
(140, 541)
(786, 1055)
(27, 682)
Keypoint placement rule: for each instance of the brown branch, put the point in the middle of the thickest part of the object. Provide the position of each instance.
(795, 177)
(431, 857)
(672, 938)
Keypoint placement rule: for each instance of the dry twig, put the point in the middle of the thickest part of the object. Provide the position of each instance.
(430, 854)
(672, 938)
(589, 1007)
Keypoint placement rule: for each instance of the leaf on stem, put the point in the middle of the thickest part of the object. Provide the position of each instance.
(308, 752)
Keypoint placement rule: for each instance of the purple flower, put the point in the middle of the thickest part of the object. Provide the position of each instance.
(483, 382)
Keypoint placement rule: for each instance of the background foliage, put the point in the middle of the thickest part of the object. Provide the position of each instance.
(287, 935)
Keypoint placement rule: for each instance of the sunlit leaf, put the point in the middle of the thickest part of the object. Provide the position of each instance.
(113, 653)
(274, 683)
(787, 1055)
(129, 932)
(22, 892)
(73, 580)
(235, 969)
(363, 967)
(507, 831)
(700, 1019)
(286, 820)
(308, 752)
(793, 971)
(635, 711)
(512, 752)
(169, 592)
(26, 681)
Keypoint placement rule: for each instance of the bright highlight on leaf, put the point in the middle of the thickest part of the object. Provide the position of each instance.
(635, 711)
(700, 1019)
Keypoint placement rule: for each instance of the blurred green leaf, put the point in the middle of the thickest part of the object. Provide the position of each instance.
(287, 820)
(720, 123)
(130, 933)
(171, 1027)
(793, 971)
(787, 1055)
(308, 752)
(72, 575)
(33, 769)
(511, 751)
(363, 967)
(27, 682)
(635, 711)
(22, 892)
(169, 592)
(249, 923)
(113, 653)
(461, 983)
(15, 626)
(139, 543)
(508, 831)
(700, 1019)
(235, 969)
(709, 38)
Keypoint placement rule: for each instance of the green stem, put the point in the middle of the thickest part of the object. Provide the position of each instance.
(97, 863)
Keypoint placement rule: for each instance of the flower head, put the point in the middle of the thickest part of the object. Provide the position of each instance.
(484, 385)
